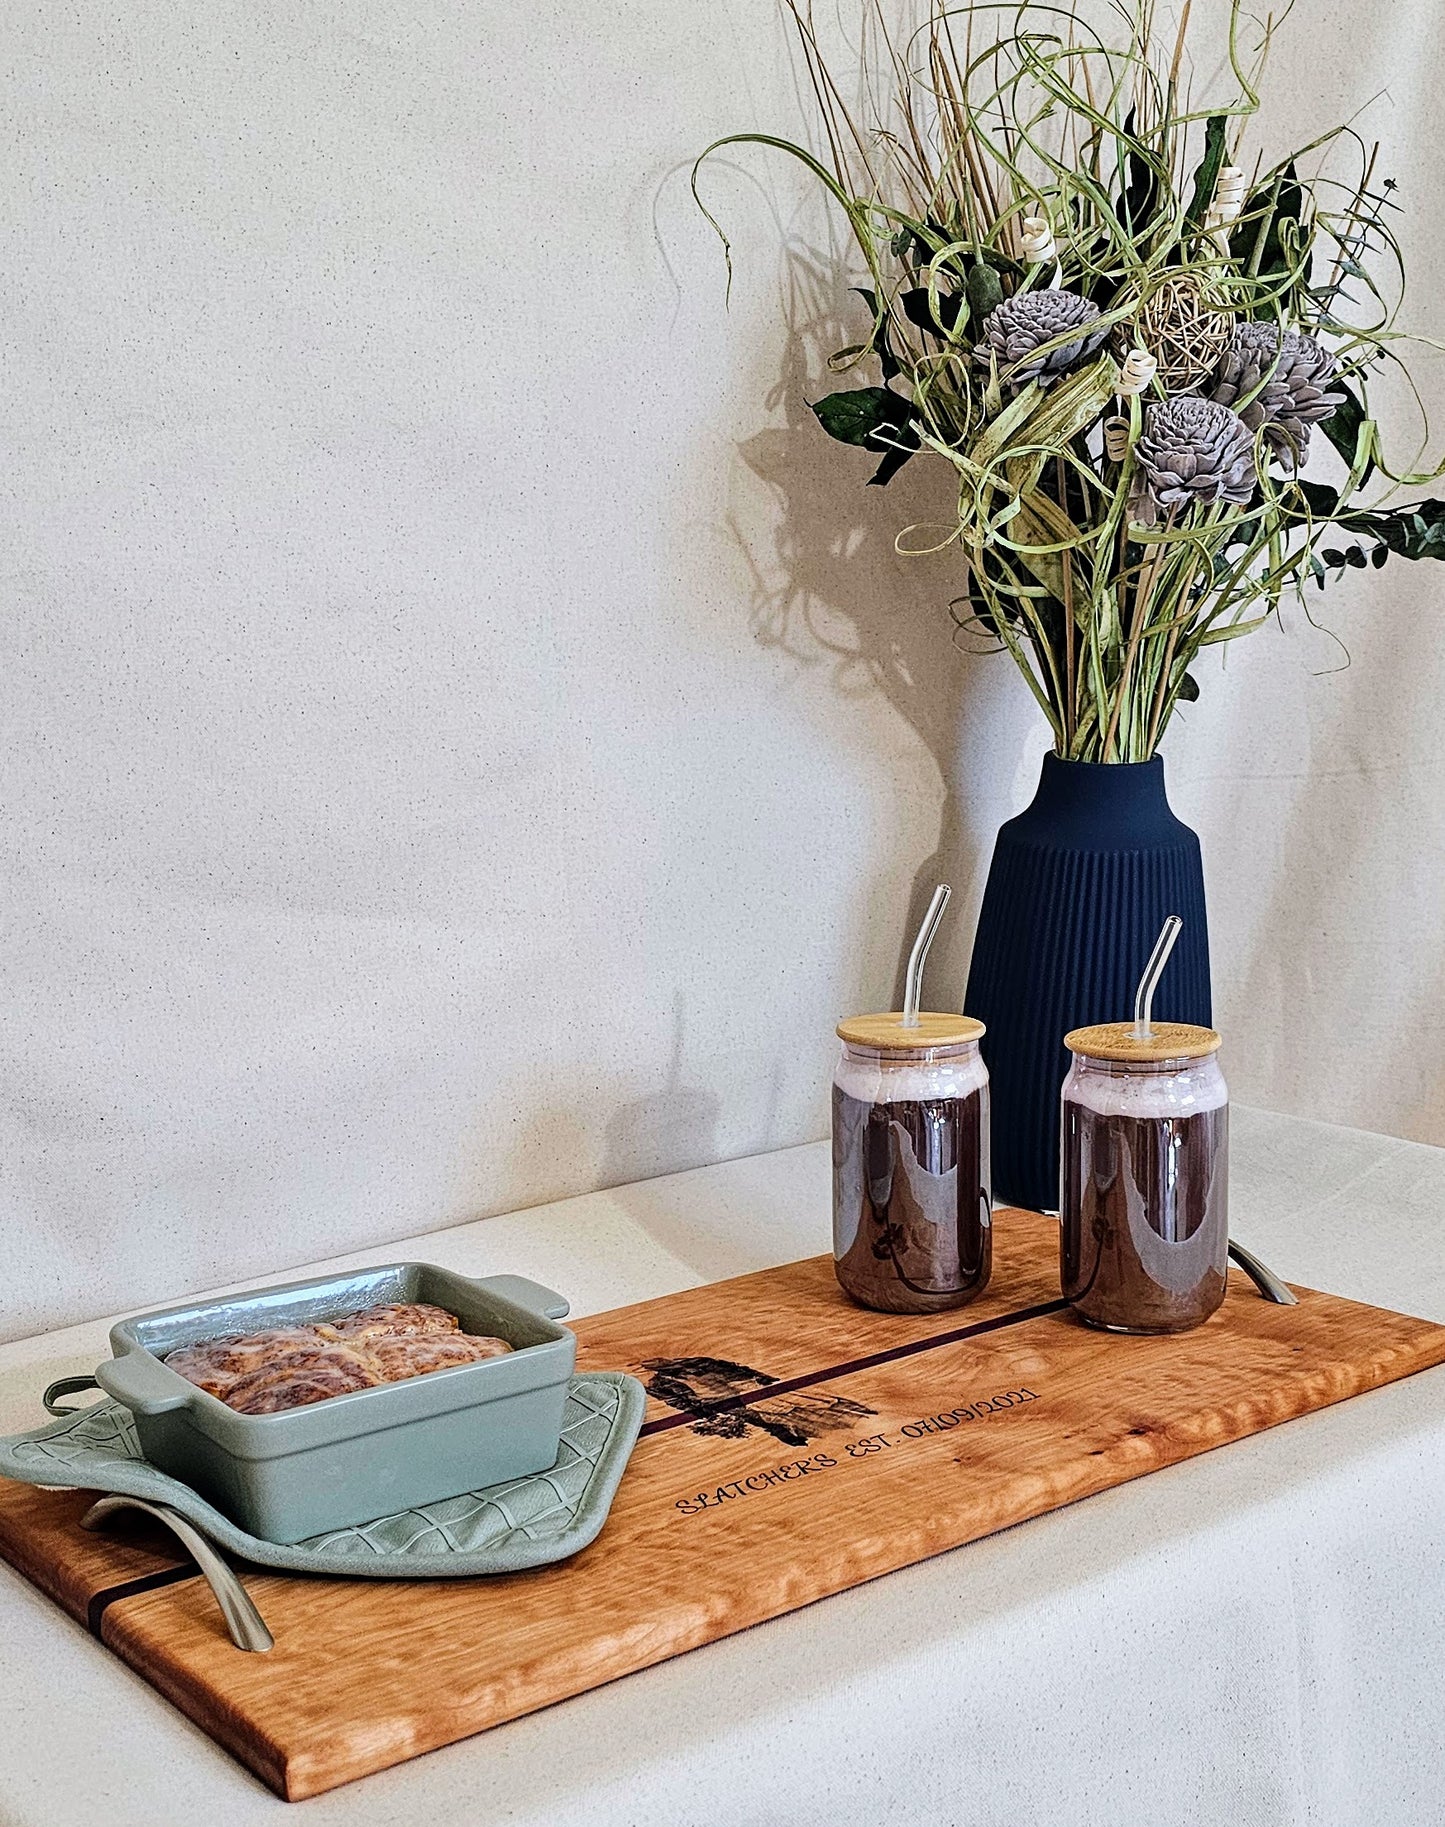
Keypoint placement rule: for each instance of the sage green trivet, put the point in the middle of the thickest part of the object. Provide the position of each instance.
(526, 1522)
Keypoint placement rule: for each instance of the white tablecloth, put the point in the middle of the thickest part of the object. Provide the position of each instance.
(1254, 1637)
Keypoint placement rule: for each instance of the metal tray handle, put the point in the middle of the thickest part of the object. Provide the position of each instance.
(245, 1624)
(1268, 1283)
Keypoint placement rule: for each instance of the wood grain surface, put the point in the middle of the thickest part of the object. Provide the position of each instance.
(887, 1032)
(804, 1446)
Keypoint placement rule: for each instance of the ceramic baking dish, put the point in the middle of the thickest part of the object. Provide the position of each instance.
(369, 1453)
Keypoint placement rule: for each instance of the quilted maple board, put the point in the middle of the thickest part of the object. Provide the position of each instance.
(795, 1446)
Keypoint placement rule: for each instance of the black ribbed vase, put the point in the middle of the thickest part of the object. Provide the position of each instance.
(1080, 884)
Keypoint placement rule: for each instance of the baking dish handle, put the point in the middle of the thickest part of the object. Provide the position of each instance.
(142, 1384)
(529, 1294)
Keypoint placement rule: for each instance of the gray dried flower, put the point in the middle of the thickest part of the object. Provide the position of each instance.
(1296, 374)
(1192, 452)
(1013, 330)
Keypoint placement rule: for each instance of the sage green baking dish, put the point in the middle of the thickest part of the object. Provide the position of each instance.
(290, 1476)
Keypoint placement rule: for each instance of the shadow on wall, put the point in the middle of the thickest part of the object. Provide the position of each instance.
(556, 1153)
(839, 593)
(673, 1127)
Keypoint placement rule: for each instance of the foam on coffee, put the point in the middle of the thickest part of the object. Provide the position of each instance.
(1198, 1086)
(881, 1080)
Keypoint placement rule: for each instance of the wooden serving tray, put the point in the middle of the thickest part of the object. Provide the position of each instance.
(795, 1446)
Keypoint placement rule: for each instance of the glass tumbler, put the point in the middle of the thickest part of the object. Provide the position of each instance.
(912, 1216)
(1144, 1177)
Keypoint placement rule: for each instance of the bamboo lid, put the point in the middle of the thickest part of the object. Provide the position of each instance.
(887, 1032)
(1117, 1040)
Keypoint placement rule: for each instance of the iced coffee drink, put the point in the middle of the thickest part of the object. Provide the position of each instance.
(912, 1228)
(1144, 1177)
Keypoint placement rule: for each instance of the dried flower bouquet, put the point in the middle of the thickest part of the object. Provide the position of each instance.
(1121, 342)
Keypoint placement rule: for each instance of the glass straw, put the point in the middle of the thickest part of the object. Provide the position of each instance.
(1153, 971)
(913, 982)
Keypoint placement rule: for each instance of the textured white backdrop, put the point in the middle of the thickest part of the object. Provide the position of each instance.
(466, 734)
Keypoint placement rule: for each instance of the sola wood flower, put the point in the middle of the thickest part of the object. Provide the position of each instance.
(1192, 452)
(1014, 330)
(1296, 374)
